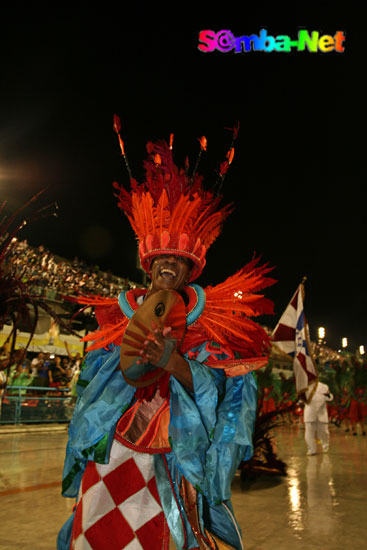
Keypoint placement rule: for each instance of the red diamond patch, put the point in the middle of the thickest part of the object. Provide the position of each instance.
(78, 520)
(90, 476)
(152, 486)
(112, 532)
(124, 481)
(152, 534)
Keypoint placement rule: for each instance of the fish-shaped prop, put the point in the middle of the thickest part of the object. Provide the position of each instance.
(163, 309)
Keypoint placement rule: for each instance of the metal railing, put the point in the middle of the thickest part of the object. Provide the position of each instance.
(33, 404)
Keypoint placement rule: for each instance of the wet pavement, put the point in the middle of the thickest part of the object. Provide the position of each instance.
(321, 503)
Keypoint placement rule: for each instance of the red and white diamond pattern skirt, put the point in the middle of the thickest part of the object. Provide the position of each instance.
(118, 505)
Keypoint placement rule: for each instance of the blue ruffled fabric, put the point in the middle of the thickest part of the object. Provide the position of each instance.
(210, 433)
(102, 398)
(218, 426)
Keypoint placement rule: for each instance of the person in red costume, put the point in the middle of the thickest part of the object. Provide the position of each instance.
(153, 447)
(357, 410)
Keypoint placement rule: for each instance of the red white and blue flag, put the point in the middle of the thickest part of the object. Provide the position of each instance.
(290, 336)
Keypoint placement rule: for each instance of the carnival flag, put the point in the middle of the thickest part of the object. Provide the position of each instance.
(290, 336)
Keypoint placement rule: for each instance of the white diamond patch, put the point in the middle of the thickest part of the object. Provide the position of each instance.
(97, 502)
(140, 508)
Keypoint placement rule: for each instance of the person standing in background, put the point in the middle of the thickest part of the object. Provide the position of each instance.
(35, 363)
(316, 419)
(58, 374)
(44, 378)
(4, 362)
(75, 362)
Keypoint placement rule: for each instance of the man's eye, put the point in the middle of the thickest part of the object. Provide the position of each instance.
(183, 260)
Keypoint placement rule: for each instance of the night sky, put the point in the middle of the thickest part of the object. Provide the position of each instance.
(296, 179)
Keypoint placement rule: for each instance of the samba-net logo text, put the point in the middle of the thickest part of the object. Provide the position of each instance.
(312, 41)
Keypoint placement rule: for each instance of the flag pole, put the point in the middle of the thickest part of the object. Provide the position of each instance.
(308, 400)
(302, 285)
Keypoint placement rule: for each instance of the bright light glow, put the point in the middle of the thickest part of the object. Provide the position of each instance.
(294, 498)
(345, 342)
(361, 350)
(321, 332)
(238, 294)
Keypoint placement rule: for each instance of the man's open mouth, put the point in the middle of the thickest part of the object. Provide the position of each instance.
(167, 273)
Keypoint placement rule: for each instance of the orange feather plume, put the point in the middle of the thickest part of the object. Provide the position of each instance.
(162, 213)
(225, 318)
(110, 334)
(230, 155)
(183, 214)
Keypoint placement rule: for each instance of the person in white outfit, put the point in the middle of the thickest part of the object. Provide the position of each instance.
(316, 418)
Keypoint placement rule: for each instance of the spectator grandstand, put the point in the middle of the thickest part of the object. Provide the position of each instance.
(51, 276)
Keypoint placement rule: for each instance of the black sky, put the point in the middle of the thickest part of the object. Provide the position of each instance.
(296, 179)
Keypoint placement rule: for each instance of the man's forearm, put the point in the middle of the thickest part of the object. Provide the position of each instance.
(180, 369)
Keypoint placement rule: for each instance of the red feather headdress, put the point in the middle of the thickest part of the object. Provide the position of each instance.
(171, 212)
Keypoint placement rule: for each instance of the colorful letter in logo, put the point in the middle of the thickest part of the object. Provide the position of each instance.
(225, 41)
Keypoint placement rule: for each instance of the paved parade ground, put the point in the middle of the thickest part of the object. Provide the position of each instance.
(320, 504)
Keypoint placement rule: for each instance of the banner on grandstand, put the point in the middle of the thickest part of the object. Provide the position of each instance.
(291, 336)
(45, 342)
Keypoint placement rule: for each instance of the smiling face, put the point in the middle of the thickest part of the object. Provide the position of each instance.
(170, 272)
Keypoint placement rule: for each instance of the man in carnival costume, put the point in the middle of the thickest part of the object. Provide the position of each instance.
(167, 400)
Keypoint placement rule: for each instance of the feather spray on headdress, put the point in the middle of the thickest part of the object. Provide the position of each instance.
(171, 212)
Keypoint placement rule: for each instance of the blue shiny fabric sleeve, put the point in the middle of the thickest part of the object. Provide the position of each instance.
(211, 429)
(103, 395)
(210, 433)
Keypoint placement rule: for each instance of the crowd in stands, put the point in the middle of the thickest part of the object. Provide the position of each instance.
(42, 370)
(51, 276)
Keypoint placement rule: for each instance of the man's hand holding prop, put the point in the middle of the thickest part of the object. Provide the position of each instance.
(146, 349)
